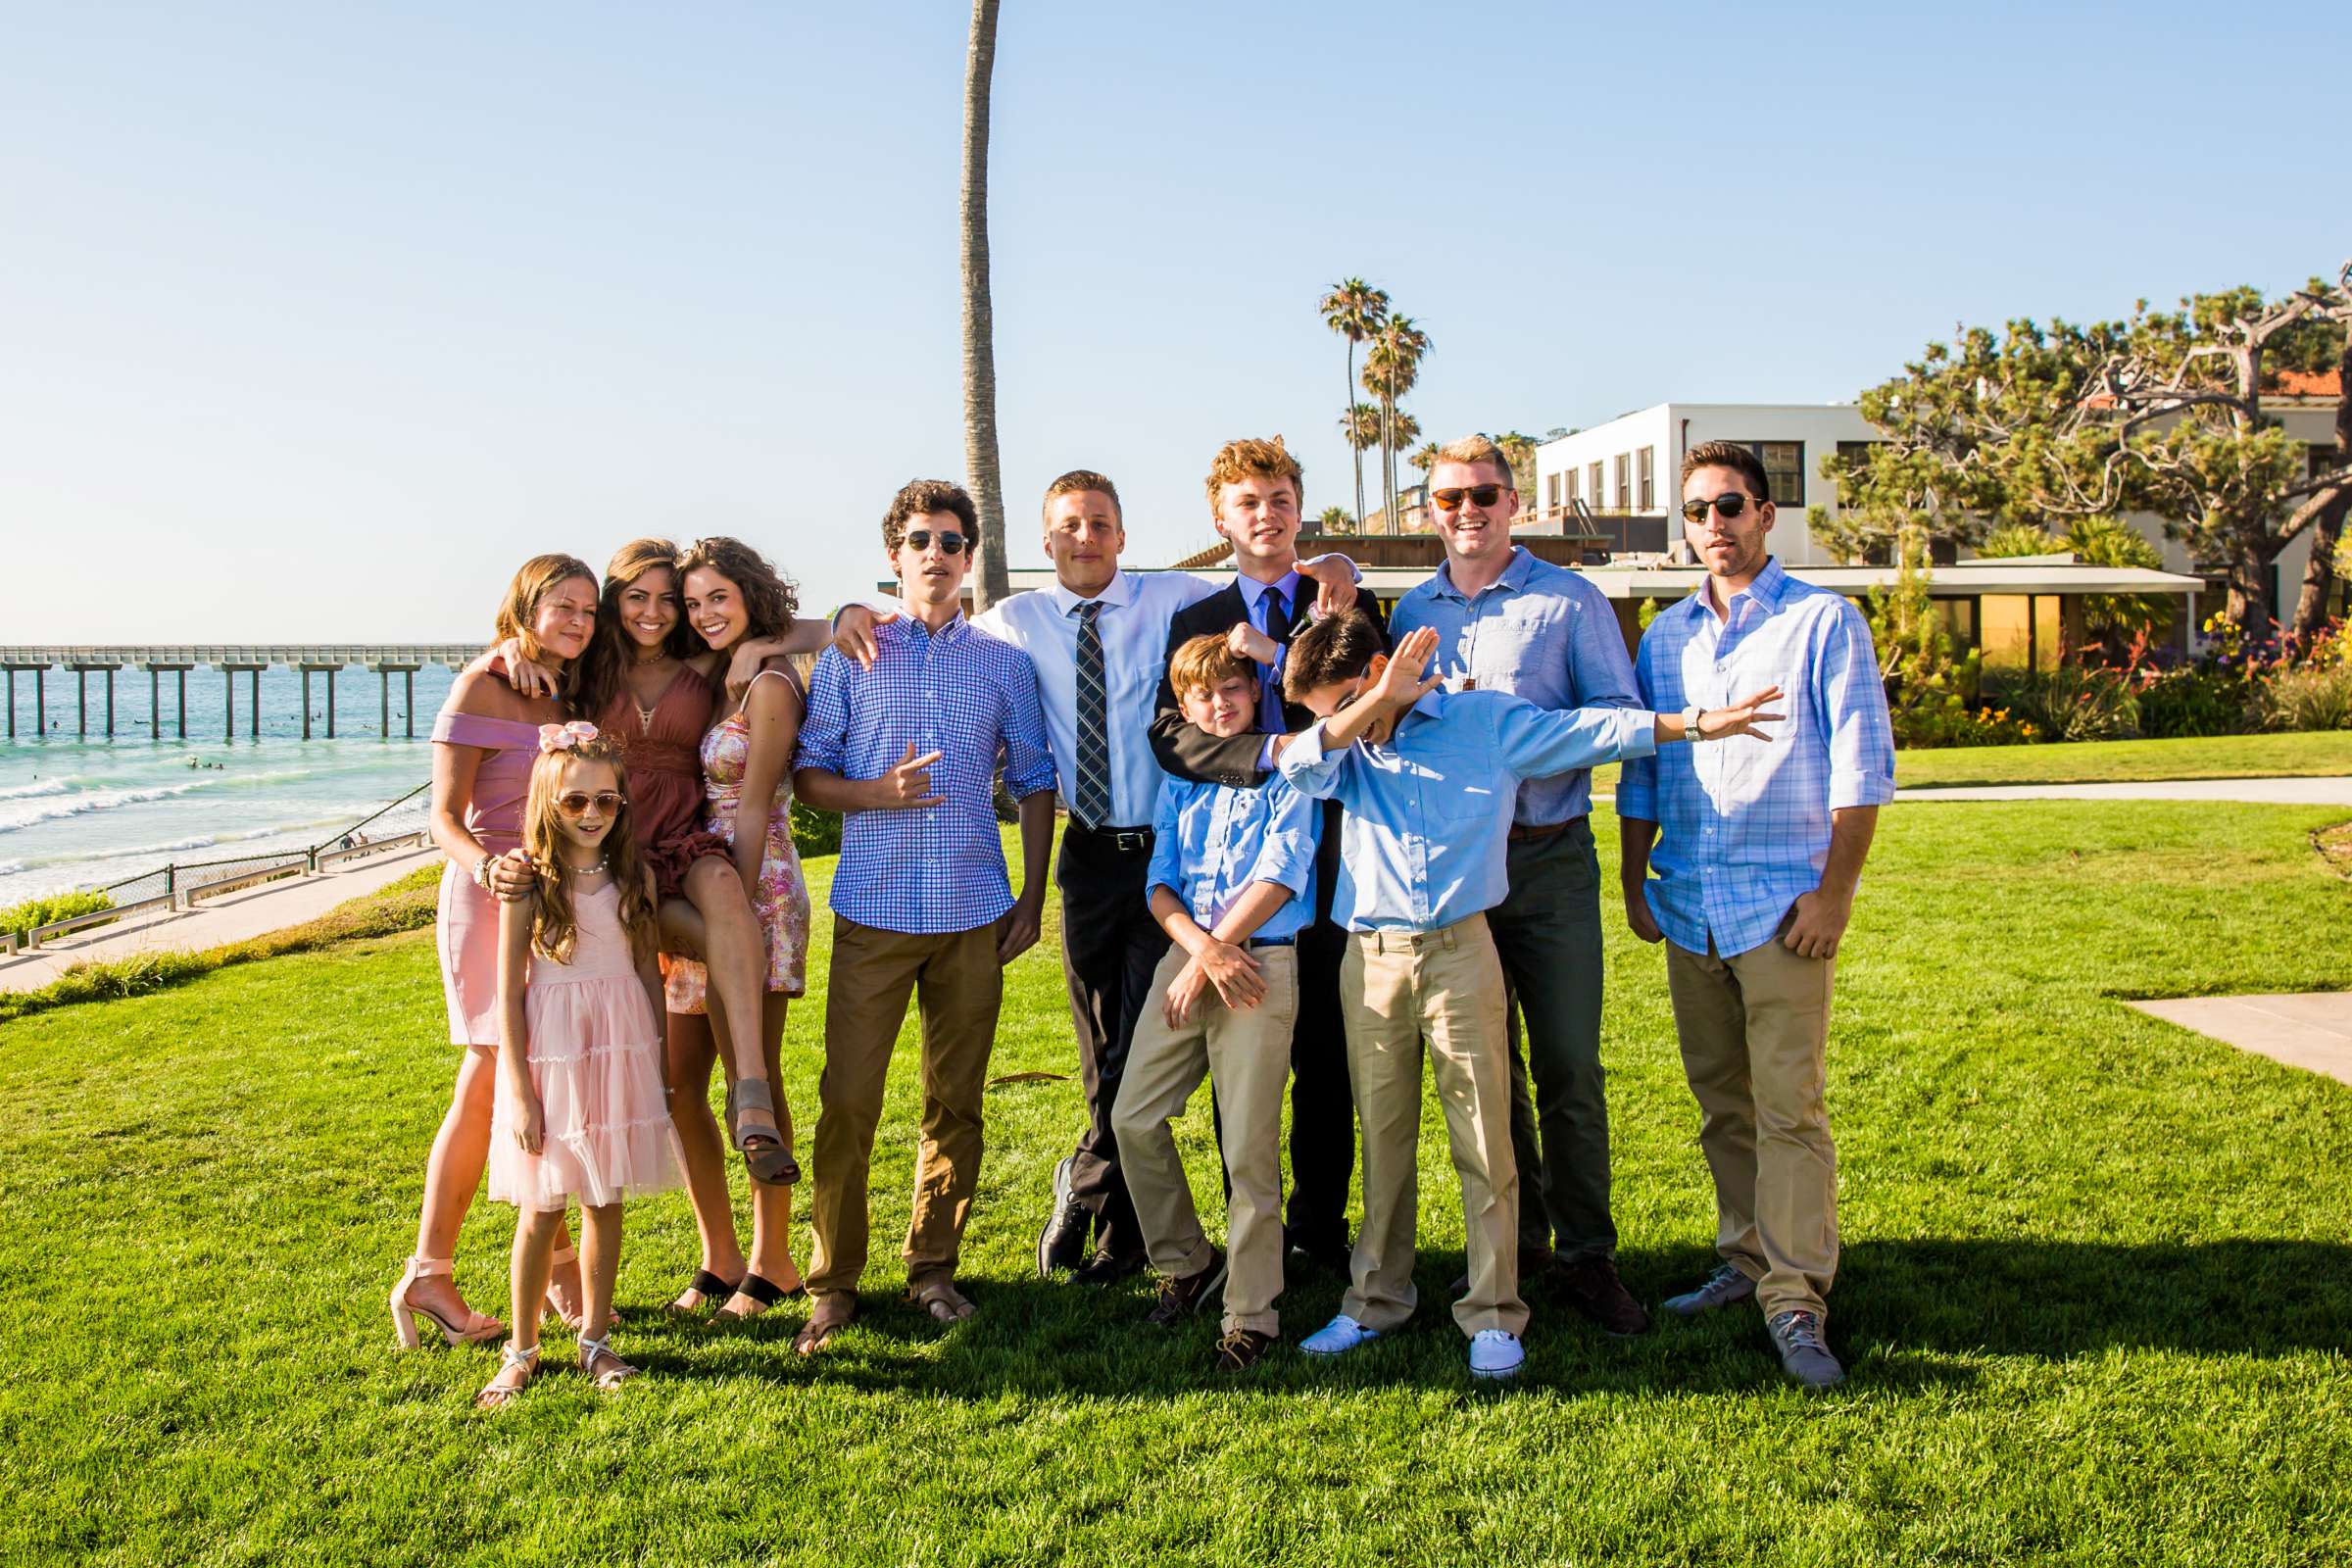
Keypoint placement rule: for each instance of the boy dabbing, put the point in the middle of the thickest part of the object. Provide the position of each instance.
(1429, 780)
(1231, 881)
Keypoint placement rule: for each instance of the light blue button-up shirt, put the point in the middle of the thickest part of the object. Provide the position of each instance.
(1744, 824)
(1538, 631)
(1213, 841)
(1429, 812)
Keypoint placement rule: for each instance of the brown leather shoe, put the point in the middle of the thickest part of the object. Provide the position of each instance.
(1180, 1297)
(1593, 1289)
(1242, 1349)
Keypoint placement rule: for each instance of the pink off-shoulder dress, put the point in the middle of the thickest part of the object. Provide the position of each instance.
(595, 1051)
(467, 933)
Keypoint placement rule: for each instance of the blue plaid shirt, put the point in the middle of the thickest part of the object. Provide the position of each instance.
(965, 694)
(1538, 631)
(1744, 824)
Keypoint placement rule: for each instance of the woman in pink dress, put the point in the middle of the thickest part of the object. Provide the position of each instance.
(733, 596)
(485, 743)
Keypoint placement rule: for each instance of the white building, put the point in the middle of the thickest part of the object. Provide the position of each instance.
(1626, 472)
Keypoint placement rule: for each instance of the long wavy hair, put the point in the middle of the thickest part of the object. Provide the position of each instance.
(768, 594)
(612, 648)
(554, 927)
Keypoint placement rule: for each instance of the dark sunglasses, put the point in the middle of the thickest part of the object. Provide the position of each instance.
(574, 803)
(1726, 506)
(1482, 495)
(949, 544)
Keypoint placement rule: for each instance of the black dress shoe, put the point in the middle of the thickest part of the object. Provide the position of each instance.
(1330, 1253)
(1593, 1289)
(1181, 1297)
(1107, 1267)
(1063, 1242)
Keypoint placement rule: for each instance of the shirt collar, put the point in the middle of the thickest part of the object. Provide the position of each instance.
(1514, 574)
(1252, 590)
(1770, 584)
(1430, 704)
(1119, 591)
(908, 626)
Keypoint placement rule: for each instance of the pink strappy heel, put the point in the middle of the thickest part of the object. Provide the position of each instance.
(474, 1330)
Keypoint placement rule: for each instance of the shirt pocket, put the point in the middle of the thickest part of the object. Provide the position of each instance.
(1454, 801)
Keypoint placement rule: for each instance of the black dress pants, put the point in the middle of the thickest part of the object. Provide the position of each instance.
(1110, 948)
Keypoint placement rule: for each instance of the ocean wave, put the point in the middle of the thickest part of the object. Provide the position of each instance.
(47, 786)
(49, 809)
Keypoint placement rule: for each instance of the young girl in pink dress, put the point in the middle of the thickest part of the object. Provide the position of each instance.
(579, 1112)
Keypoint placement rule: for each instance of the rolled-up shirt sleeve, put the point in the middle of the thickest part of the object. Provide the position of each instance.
(1287, 854)
(1028, 757)
(1310, 770)
(825, 727)
(1849, 703)
(1167, 853)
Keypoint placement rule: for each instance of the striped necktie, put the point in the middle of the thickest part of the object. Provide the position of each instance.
(1090, 802)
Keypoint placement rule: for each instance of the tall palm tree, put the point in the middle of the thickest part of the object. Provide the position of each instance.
(1360, 429)
(1354, 309)
(1392, 365)
(1425, 459)
(979, 319)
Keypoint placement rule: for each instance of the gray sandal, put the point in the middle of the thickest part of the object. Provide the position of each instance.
(766, 1154)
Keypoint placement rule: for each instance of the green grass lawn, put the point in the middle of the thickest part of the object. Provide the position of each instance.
(2096, 1292)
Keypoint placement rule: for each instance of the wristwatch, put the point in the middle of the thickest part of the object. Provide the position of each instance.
(481, 873)
(1690, 717)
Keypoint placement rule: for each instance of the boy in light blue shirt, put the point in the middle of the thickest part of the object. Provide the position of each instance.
(1430, 781)
(1231, 881)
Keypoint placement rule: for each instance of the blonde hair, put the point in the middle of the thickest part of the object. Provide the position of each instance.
(553, 926)
(1206, 662)
(1252, 459)
(1474, 449)
(533, 581)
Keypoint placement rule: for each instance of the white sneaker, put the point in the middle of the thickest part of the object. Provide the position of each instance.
(1495, 1354)
(1337, 1336)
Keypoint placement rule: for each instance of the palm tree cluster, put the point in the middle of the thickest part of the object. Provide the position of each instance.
(1395, 347)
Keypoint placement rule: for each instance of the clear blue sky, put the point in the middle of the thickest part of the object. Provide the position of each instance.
(315, 319)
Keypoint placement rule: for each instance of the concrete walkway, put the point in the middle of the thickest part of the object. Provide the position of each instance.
(2249, 791)
(230, 917)
(2312, 1031)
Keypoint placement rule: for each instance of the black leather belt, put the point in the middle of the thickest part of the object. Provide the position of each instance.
(1125, 839)
(1273, 942)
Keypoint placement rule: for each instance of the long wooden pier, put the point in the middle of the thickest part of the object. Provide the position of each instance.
(249, 660)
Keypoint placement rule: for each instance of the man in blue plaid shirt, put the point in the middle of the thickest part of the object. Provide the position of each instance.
(1759, 846)
(906, 751)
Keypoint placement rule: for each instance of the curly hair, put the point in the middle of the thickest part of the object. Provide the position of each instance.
(920, 498)
(770, 597)
(1252, 459)
(554, 927)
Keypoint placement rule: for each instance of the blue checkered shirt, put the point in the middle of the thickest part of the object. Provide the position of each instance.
(1744, 824)
(1538, 631)
(961, 693)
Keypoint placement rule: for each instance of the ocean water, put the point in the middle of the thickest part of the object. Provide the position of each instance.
(82, 811)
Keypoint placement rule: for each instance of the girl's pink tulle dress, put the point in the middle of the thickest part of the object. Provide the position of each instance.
(596, 1061)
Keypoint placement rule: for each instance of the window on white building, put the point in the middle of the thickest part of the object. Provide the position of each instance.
(1592, 484)
(1625, 483)
(1646, 462)
(1784, 469)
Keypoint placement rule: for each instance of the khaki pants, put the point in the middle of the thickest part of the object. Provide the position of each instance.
(957, 985)
(1443, 988)
(1246, 1056)
(1754, 1027)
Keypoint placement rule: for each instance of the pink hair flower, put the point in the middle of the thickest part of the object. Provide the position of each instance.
(564, 737)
